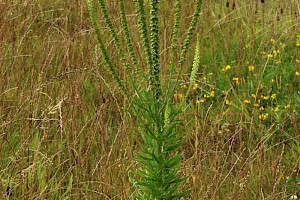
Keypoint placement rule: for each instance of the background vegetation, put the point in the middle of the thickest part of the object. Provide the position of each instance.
(65, 132)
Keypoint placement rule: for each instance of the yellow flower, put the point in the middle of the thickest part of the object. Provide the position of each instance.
(278, 62)
(212, 94)
(298, 44)
(265, 97)
(184, 86)
(251, 68)
(272, 81)
(276, 109)
(297, 61)
(236, 80)
(256, 105)
(273, 96)
(253, 96)
(200, 101)
(270, 56)
(195, 86)
(227, 102)
(261, 108)
(263, 116)
(297, 73)
(246, 101)
(226, 68)
(272, 40)
(287, 106)
(275, 53)
(262, 53)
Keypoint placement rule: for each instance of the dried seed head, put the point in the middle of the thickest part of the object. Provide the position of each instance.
(233, 5)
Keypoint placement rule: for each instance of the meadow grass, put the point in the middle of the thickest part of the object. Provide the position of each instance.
(66, 132)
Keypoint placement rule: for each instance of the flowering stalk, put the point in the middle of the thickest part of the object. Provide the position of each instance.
(159, 158)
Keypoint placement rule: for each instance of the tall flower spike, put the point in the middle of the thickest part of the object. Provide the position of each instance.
(113, 33)
(126, 33)
(105, 55)
(155, 48)
(142, 24)
(177, 15)
(187, 42)
(196, 64)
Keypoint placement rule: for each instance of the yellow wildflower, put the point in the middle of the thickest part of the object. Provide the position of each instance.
(226, 68)
(236, 80)
(265, 97)
(246, 101)
(251, 68)
(275, 53)
(297, 60)
(276, 109)
(200, 101)
(261, 108)
(270, 56)
(297, 73)
(253, 96)
(273, 96)
(263, 116)
(212, 94)
(256, 105)
(184, 86)
(272, 40)
(258, 101)
(195, 86)
(227, 102)
(287, 106)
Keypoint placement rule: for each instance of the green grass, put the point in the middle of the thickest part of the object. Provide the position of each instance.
(65, 127)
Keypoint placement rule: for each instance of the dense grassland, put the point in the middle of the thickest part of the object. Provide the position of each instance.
(66, 131)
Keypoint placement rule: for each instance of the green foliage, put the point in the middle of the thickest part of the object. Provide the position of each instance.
(159, 159)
